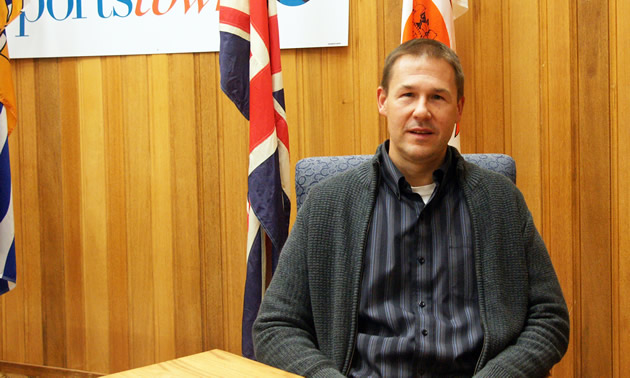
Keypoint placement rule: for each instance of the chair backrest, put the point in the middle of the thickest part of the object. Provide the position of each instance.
(309, 171)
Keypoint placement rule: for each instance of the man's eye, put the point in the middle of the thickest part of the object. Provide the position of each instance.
(437, 97)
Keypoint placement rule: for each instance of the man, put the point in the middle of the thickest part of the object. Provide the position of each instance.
(415, 263)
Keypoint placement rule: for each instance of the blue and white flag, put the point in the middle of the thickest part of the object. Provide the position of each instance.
(7, 233)
(9, 10)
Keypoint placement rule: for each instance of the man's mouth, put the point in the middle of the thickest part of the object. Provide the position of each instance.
(421, 132)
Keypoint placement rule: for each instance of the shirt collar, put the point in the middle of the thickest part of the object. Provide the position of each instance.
(396, 181)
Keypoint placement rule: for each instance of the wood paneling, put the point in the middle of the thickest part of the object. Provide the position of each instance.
(364, 76)
(213, 295)
(185, 272)
(594, 175)
(50, 196)
(117, 266)
(130, 178)
(558, 210)
(162, 228)
(620, 168)
(137, 175)
(72, 176)
(28, 323)
(522, 90)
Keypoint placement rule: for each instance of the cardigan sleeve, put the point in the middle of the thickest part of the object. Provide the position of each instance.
(284, 332)
(544, 337)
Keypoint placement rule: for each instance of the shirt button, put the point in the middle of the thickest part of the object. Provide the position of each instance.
(425, 332)
(421, 260)
(422, 304)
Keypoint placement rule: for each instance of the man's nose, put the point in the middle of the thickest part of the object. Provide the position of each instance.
(422, 110)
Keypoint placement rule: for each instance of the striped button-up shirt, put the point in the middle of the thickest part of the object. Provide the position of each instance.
(419, 310)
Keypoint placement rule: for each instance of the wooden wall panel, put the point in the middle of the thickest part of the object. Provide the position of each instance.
(489, 77)
(595, 189)
(90, 350)
(620, 81)
(465, 38)
(130, 178)
(51, 211)
(72, 182)
(312, 116)
(558, 214)
(214, 299)
(136, 136)
(338, 108)
(616, 265)
(186, 253)
(161, 210)
(27, 228)
(522, 91)
(365, 76)
(115, 168)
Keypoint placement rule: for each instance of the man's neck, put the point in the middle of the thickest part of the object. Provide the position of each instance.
(419, 174)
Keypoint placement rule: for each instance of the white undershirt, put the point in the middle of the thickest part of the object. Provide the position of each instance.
(424, 191)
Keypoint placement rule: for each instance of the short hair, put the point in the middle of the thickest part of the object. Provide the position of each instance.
(420, 47)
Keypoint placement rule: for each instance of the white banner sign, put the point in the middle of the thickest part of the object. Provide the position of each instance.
(61, 28)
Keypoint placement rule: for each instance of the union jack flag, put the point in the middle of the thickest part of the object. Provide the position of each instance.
(251, 76)
(9, 10)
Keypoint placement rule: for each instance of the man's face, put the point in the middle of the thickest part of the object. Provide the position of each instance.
(421, 107)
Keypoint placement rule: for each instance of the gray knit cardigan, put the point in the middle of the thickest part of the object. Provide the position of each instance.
(307, 323)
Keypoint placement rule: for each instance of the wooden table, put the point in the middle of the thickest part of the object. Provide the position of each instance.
(214, 363)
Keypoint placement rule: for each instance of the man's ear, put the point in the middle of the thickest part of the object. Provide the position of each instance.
(381, 99)
(460, 108)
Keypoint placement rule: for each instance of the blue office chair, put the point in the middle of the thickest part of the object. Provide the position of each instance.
(309, 171)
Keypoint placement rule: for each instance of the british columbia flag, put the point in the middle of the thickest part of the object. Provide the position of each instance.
(251, 77)
(9, 10)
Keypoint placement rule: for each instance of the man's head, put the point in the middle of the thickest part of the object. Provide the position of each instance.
(420, 96)
(420, 47)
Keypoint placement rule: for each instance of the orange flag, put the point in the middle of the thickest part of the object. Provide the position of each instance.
(432, 19)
